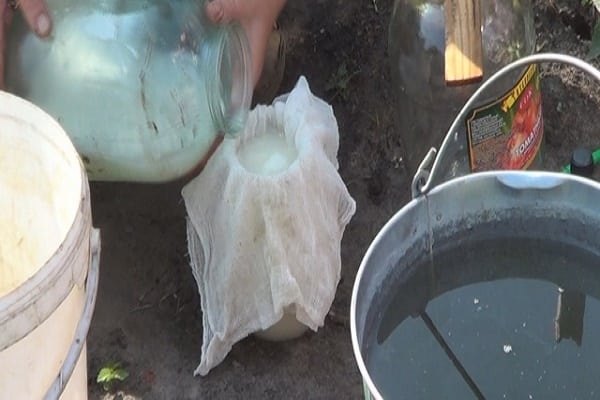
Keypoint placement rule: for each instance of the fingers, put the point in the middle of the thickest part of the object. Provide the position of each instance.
(37, 16)
(256, 17)
(224, 11)
(214, 11)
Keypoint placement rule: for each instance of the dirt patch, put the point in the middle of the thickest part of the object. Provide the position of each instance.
(148, 315)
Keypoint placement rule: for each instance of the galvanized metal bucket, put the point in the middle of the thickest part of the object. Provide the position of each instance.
(448, 209)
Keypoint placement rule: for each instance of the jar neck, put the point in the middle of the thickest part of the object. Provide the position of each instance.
(228, 78)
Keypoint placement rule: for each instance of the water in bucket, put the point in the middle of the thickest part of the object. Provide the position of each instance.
(500, 315)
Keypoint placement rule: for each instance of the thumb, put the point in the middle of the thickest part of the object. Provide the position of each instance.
(223, 11)
(37, 16)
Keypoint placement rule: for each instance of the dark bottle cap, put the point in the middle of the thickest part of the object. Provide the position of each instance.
(582, 162)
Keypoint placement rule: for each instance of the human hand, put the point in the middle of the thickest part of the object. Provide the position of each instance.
(257, 18)
(35, 13)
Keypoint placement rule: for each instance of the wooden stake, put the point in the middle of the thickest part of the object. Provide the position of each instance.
(464, 52)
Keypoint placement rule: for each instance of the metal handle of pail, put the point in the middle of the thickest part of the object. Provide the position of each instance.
(430, 172)
(83, 327)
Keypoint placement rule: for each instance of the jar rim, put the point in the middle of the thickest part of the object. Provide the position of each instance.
(231, 95)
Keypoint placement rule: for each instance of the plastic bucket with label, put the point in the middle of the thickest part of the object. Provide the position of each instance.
(49, 255)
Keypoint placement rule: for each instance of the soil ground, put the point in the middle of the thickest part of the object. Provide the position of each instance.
(148, 313)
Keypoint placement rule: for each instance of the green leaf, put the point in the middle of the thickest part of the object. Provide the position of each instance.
(120, 374)
(105, 375)
(594, 50)
(111, 372)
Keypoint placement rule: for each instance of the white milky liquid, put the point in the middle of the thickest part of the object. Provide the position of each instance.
(267, 154)
(133, 104)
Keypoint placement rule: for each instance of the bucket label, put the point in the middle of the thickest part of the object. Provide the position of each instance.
(507, 133)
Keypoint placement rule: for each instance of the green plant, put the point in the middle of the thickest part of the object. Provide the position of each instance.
(514, 50)
(338, 82)
(111, 373)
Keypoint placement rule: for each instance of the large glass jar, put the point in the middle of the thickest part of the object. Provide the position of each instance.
(142, 87)
(427, 105)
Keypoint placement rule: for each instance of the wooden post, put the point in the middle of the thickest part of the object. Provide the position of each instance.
(464, 51)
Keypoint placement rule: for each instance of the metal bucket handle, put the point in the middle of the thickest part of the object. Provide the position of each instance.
(58, 386)
(425, 179)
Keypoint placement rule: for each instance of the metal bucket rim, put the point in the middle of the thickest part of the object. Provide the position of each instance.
(517, 179)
